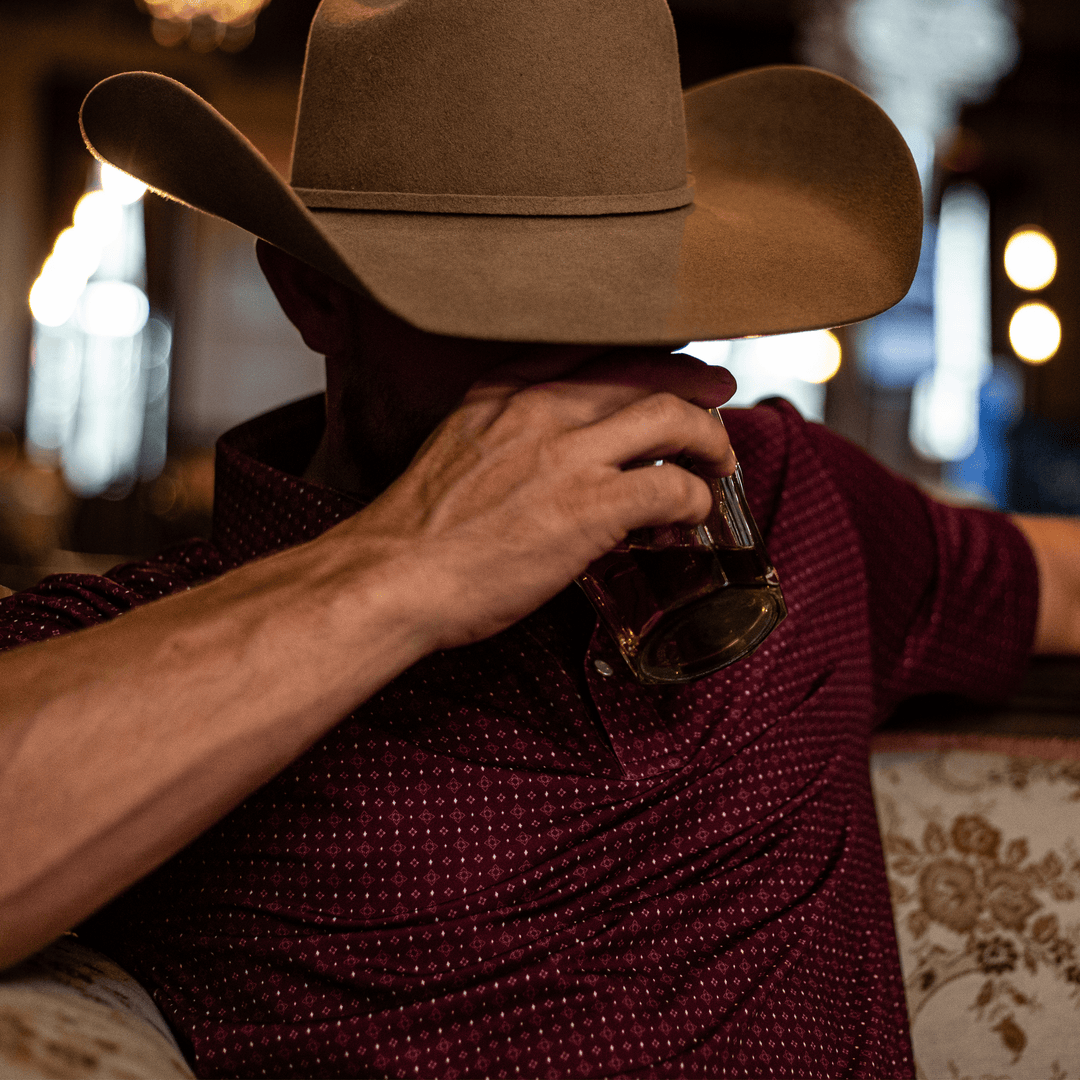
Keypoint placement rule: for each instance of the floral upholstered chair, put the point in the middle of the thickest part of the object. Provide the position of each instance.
(980, 824)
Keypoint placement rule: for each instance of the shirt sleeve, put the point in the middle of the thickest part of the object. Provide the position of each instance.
(952, 592)
(61, 603)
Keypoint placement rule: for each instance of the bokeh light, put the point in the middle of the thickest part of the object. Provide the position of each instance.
(99, 379)
(792, 366)
(98, 216)
(204, 24)
(944, 421)
(54, 295)
(112, 309)
(98, 220)
(1035, 332)
(822, 360)
(1030, 259)
(123, 188)
(78, 250)
(716, 353)
(812, 356)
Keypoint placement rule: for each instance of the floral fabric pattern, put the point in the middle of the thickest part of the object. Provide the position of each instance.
(983, 856)
(70, 1013)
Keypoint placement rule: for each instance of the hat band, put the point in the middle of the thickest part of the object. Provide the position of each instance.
(519, 205)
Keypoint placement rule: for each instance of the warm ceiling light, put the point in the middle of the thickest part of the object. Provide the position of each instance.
(204, 24)
(1035, 332)
(826, 361)
(1030, 259)
(813, 355)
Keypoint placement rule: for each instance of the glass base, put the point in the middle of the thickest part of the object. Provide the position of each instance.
(708, 634)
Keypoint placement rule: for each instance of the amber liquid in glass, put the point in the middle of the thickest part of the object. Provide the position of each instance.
(684, 602)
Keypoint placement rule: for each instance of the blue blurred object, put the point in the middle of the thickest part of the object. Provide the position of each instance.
(1044, 475)
(897, 347)
(985, 472)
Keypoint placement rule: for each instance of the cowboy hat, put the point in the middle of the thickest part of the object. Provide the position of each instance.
(531, 171)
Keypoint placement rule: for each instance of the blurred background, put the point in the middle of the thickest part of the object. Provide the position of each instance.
(133, 332)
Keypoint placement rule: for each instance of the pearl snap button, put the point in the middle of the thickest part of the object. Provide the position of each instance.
(604, 667)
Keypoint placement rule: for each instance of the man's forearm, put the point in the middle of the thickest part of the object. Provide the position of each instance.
(1055, 542)
(121, 743)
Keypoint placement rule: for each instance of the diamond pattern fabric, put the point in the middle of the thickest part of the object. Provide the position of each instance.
(516, 861)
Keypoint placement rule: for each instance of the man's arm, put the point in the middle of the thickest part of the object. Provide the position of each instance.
(1055, 542)
(121, 743)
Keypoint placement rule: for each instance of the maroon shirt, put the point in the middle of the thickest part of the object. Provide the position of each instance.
(510, 863)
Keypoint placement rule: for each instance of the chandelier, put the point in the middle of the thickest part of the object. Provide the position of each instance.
(204, 25)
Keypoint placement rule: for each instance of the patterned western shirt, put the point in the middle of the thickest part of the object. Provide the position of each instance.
(516, 861)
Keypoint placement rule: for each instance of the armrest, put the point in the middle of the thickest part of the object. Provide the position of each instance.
(68, 1010)
(1047, 705)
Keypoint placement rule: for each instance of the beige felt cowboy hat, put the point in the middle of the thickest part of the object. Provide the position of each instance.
(530, 170)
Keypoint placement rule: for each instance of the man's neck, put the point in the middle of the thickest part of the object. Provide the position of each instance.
(337, 471)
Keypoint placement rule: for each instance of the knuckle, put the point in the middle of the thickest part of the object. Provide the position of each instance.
(523, 403)
(534, 407)
(689, 494)
(664, 407)
(669, 493)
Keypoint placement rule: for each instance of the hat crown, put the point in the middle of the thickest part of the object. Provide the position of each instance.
(536, 98)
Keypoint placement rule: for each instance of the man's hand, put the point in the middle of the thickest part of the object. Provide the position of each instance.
(525, 484)
(121, 743)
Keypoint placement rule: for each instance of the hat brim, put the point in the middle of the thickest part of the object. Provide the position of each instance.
(807, 214)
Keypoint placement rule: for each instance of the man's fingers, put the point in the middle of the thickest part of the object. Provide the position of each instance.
(649, 371)
(658, 426)
(660, 495)
(650, 422)
(611, 378)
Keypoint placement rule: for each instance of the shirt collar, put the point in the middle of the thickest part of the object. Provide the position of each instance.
(261, 502)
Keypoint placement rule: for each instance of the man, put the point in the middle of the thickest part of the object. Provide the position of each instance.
(432, 826)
